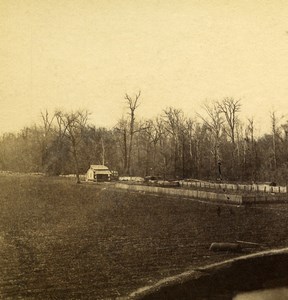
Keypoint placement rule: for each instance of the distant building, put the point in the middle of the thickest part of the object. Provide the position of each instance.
(98, 173)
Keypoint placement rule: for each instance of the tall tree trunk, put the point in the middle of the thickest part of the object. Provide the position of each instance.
(103, 151)
(125, 150)
(76, 162)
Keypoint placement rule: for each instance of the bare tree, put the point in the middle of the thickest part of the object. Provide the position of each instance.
(251, 129)
(249, 150)
(71, 125)
(122, 131)
(214, 123)
(174, 122)
(154, 131)
(133, 104)
(190, 129)
(47, 129)
(275, 136)
(230, 108)
(47, 121)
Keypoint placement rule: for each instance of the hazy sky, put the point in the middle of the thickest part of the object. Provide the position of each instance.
(87, 54)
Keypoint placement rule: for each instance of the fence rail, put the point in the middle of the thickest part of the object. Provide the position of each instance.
(265, 188)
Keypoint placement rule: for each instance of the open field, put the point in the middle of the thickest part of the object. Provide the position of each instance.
(60, 240)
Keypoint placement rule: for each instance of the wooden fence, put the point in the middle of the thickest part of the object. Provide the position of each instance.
(265, 188)
(212, 196)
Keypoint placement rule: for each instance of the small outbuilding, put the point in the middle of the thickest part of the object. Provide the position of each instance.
(98, 173)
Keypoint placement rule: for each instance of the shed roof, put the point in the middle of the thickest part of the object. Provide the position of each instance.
(99, 167)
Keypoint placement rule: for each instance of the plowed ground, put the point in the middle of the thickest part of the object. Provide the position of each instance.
(60, 240)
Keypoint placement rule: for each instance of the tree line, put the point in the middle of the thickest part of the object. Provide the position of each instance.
(214, 145)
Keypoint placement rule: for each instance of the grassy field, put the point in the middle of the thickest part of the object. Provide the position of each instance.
(60, 240)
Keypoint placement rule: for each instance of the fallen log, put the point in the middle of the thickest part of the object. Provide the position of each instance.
(232, 247)
(249, 243)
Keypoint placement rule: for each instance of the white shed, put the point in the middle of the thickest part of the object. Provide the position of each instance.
(98, 173)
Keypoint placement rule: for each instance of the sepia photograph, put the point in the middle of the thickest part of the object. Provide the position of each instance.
(144, 149)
